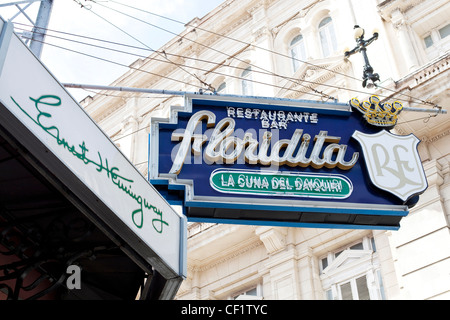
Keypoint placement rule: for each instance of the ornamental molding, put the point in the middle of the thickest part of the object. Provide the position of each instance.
(314, 73)
(438, 136)
(208, 264)
(389, 7)
(435, 69)
(274, 239)
(424, 139)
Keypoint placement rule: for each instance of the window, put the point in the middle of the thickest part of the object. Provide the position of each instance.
(254, 293)
(436, 36)
(251, 292)
(358, 246)
(297, 51)
(355, 289)
(362, 290)
(247, 85)
(222, 88)
(381, 287)
(325, 261)
(352, 272)
(327, 37)
(428, 41)
(346, 291)
(445, 31)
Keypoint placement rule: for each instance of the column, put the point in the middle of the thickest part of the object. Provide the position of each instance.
(405, 43)
(282, 263)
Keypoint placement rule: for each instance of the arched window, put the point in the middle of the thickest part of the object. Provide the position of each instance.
(297, 51)
(222, 88)
(327, 36)
(247, 85)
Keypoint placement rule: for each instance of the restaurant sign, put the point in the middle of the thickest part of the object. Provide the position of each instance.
(286, 162)
(54, 129)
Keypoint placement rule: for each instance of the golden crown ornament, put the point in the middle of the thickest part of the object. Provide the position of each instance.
(377, 113)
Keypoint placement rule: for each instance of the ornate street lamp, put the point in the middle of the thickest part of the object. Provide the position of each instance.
(361, 47)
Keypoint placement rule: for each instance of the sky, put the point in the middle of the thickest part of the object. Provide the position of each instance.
(107, 20)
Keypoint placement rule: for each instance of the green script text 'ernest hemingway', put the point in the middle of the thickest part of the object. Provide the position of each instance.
(122, 183)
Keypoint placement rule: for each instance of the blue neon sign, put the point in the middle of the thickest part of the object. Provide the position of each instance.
(279, 163)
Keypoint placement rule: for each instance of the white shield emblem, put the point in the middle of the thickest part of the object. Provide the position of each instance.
(393, 162)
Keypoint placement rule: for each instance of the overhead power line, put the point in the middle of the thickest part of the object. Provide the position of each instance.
(159, 75)
(121, 64)
(184, 57)
(297, 82)
(163, 61)
(165, 54)
(425, 102)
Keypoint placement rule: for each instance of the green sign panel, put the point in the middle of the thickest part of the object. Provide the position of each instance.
(279, 183)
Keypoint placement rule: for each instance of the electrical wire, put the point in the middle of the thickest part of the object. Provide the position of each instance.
(175, 55)
(424, 119)
(231, 38)
(121, 96)
(205, 61)
(155, 59)
(228, 38)
(273, 52)
(159, 75)
(134, 38)
(212, 48)
(131, 133)
(159, 60)
(117, 63)
(200, 69)
(183, 57)
(290, 79)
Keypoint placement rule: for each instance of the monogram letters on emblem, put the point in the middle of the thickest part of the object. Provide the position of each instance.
(400, 167)
(393, 165)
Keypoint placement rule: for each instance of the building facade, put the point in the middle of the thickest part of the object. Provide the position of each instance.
(295, 49)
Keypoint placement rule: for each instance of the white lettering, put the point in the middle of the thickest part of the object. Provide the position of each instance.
(248, 113)
(227, 182)
(241, 181)
(265, 183)
(74, 280)
(193, 310)
(225, 147)
(272, 119)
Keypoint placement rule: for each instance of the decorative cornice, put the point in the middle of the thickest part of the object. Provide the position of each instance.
(274, 239)
(427, 72)
(438, 136)
(315, 75)
(197, 227)
(251, 246)
(424, 139)
(388, 7)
